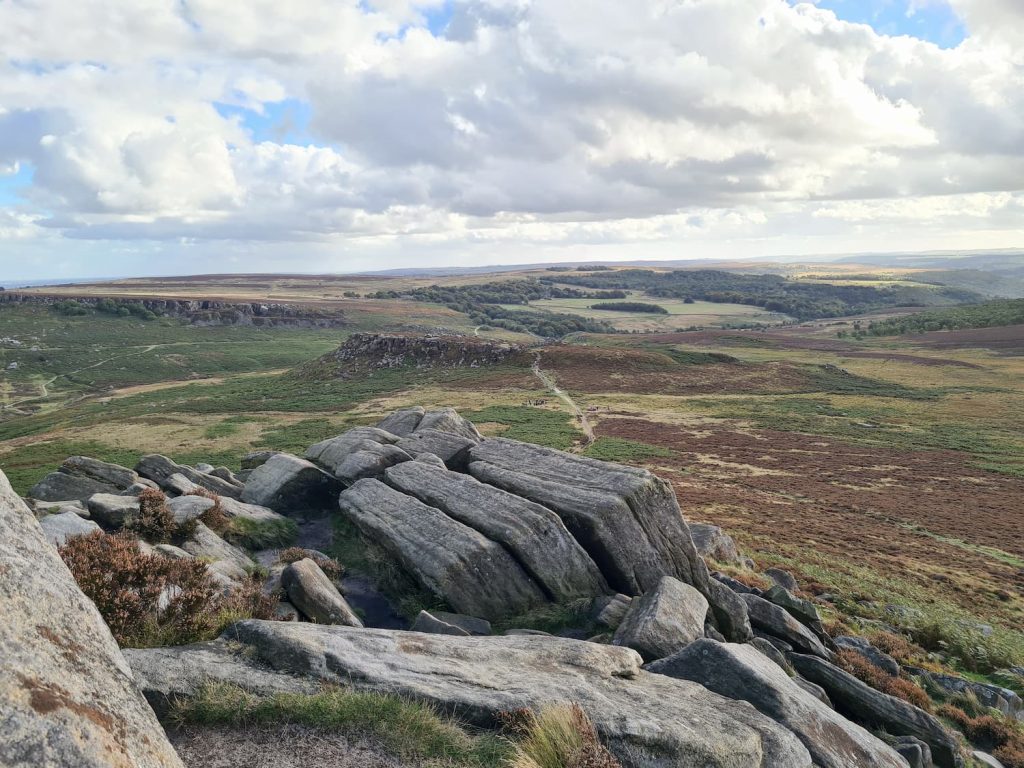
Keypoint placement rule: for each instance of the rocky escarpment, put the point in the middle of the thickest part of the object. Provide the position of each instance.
(676, 666)
(205, 311)
(375, 351)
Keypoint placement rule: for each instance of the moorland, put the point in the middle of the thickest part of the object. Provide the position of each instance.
(862, 428)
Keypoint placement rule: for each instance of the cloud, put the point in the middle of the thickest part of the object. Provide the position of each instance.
(542, 121)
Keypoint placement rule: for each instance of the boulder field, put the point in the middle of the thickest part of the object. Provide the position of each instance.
(687, 668)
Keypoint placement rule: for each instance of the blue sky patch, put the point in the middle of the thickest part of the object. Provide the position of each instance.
(12, 184)
(282, 122)
(935, 22)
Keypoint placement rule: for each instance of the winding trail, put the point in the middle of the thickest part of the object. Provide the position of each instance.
(548, 381)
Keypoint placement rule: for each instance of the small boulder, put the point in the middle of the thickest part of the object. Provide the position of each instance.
(453, 450)
(663, 620)
(79, 477)
(914, 751)
(770, 652)
(256, 459)
(159, 468)
(878, 658)
(735, 585)
(449, 420)
(711, 541)
(472, 624)
(783, 578)
(112, 510)
(992, 696)
(985, 759)
(802, 610)
(610, 610)
(402, 423)
(774, 620)
(206, 544)
(171, 551)
(728, 612)
(59, 528)
(186, 508)
(316, 597)
(288, 484)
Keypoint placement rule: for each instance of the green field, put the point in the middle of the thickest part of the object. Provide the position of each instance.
(700, 314)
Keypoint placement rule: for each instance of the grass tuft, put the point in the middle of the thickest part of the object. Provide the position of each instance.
(558, 737)
(407, 729)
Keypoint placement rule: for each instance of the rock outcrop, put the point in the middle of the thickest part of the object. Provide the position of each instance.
(161, 469)
(647, 720)
(474, 574)
(376, 351)
(67, 694)
(627, 519)
(79, 477)
(532, 534)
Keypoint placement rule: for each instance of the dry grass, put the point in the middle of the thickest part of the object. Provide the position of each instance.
(868, 673)
(558, 737)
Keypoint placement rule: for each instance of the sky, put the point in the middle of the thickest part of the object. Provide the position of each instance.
(170, 137)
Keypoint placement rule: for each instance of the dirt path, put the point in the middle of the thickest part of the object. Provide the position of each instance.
(549, 382)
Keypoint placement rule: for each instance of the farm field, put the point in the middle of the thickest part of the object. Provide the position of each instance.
(680, 314)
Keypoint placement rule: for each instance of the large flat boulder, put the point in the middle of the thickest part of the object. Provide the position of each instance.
(469, 571)
(627, 519)
(316, 597)
(160, 469)
(663, 620)
(776, 621)
(863, 703)
(79, 477)
(66, 693)
(288, 484)
(534, 535)
(741, 672)
(647, 720)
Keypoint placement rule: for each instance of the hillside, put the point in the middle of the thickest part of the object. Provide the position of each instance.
(483, 577)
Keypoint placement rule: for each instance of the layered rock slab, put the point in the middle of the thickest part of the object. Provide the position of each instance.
(741, 672)
(862, 702)
(647, 720)
(66, 693)
(627, 519)
(534, 535)
(473, 574)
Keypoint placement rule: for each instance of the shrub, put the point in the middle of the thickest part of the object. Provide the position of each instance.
(866, 672)
(149, 600)
(328, 565)
(213, 518)
(899, 647)
(155, 522)
(558, 737)
(1005, 739)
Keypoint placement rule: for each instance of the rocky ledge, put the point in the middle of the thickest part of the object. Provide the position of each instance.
(675, 666)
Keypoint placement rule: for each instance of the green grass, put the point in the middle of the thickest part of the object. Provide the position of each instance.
(257, 534)
(297, 437)
(553, 429)
(552, 618)
(408, 730)
(618, 449)
(28, 465)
